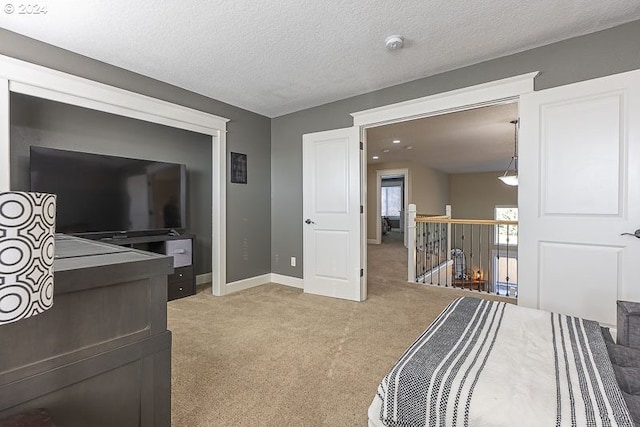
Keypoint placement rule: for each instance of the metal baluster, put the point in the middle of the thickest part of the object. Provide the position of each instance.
(470, 267)
(437, 241)
(423, 260)
(429, 238)
(447, 254)
(423, 227)
(507, 260)
(425, 248)
(417, 254)
(516, 256)
(498, 261)
(455, 259)
(479, 255)
(464, 254)
(443, 245)
(489, 261)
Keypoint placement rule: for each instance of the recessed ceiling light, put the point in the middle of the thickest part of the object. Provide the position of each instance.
(375, 157)
(386, 150)
(396, 141)
(408, 147)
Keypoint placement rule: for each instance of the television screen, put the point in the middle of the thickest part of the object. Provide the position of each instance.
(98, 193)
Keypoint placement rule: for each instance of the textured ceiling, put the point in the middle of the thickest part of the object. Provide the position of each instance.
(276, 57)
(479, 140)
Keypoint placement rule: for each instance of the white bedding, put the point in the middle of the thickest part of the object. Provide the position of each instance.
(485, 363)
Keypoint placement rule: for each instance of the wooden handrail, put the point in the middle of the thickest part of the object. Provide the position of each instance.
(445, 220)
(419, 215)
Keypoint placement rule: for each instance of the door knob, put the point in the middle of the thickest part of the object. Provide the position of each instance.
(308, 221)
(635, 233)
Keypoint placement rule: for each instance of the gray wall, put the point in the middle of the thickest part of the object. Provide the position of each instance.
(43, 123)
(248, 206)
(582, 58)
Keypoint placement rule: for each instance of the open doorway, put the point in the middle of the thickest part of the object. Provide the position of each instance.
(387, 205)
(392, 207)
(336, 261)
(449, 159)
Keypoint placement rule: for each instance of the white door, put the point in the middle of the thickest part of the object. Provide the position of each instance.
(579, 190)
(331, 213)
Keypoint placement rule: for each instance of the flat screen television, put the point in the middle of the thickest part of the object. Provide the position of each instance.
(108, 194)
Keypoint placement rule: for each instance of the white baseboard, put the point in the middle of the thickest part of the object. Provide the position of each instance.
(263, 279)
(204, 278)
(251, 282)
(294, 282)
(373, 241)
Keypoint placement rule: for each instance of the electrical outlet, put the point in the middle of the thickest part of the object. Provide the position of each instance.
(293, 261)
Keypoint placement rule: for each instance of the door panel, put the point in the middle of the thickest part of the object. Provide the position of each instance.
(581, 153)
(331, 214)
(335, 266)
(589, 287)
(332, 176)
(579, 190)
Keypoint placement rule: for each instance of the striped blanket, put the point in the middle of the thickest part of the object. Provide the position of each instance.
(487, 363)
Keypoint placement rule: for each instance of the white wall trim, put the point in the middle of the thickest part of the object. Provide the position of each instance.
(42, 82)
(5, 135)
(219, 212)
(250, 282)
(455, 100)
(35, 80)
(490, 93)
(372, 242)
(294, 282)
(201, 279)
(436, 274)
(263, 279)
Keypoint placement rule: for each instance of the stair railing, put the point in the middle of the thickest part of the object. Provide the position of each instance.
(474, 254)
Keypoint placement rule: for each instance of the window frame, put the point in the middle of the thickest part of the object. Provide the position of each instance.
(496, 235)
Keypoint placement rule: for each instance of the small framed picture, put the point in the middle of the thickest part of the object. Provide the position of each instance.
(238, 168)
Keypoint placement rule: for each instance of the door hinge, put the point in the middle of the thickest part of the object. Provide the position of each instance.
(361, 209)
(361, 145)
(362, 272)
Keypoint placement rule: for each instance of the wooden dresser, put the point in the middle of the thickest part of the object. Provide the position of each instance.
(101, 356)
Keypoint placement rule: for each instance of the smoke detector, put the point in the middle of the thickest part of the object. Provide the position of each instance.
(394, 42)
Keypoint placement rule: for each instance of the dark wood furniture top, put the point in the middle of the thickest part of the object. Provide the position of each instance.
(477, 284)
(101, 356)
(182, 283)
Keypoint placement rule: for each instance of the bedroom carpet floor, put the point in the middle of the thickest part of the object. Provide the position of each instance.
(274, 356)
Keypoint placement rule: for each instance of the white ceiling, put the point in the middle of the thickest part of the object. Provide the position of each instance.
(479, 140)
(276, 57)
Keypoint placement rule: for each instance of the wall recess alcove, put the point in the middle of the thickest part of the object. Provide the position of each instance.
(19, 78)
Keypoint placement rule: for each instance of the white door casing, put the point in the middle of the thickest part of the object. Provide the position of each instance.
(579, 190)
(34, 80)
(331, 214)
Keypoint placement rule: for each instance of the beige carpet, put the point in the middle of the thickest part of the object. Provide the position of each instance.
(274, 356)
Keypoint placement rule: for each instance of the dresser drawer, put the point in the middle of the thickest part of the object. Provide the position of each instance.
(180, 289)
(181, 251)
(181, 274)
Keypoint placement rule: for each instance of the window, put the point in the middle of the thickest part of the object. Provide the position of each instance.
(505, 253)
(506, 234)
(391, 201)
(506, 274)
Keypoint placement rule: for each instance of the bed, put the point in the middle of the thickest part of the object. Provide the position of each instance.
(489, 363)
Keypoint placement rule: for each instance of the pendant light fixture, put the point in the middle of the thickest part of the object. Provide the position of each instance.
(513, 178)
